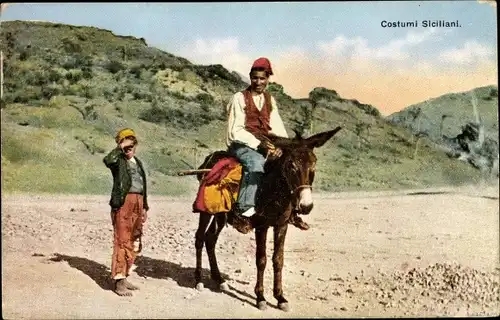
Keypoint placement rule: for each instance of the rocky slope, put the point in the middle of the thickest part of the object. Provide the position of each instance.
(464, 124)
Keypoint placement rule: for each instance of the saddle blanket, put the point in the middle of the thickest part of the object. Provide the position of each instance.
(219, 187)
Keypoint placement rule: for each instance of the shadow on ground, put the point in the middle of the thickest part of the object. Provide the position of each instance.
(150, 268)
(184, 276)
(162, 269)
(425, 193)
(146, 267)
(96, 271)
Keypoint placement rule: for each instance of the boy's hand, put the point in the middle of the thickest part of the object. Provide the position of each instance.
(128, 146)
(125, 143)
(113, 215)
(144, 215)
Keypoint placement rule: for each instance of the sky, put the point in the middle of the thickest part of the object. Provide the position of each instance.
(337, 45)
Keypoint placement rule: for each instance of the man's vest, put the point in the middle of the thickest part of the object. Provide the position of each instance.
(257, 122)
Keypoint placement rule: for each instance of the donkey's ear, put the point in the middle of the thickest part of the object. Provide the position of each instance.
(320, 139)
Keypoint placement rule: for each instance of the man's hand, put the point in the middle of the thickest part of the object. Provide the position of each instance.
(270, 150)
(274, 153)
(144, 215)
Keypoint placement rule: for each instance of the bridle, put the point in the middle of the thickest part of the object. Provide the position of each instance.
(294, 191)
(295, 202)
(302, 186)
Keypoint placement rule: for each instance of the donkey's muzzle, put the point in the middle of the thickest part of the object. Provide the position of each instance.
(305, 201)
(305, 209)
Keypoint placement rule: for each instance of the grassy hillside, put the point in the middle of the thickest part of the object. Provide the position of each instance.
(69, 89)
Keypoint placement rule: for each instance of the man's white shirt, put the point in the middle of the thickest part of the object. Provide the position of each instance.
(236, 120)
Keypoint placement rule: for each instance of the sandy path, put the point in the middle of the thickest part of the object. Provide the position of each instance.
(356, 260)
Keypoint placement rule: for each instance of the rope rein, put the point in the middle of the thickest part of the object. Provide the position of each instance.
(302, 186)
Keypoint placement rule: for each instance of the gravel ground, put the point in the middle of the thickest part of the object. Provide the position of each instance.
(415, 253)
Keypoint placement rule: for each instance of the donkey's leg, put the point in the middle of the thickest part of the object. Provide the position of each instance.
(199, 241)
(210, 241)
(260, 255)
(278, 258)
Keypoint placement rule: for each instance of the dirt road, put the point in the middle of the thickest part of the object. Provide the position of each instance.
(383, 254)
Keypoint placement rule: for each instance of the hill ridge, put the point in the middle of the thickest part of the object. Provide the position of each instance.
(68, 90)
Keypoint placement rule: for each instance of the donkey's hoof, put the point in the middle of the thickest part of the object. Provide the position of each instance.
(224, 286)
(262, 305)
(284, 306)
(200, 286)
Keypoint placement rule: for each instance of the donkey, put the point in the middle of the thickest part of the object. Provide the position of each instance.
(286, 187)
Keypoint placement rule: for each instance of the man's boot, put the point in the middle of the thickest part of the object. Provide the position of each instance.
(298, 222)
(246, 201)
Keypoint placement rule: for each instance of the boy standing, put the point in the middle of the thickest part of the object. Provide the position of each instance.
(129, 208)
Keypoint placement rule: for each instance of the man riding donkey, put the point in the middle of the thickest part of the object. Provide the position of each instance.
(253, 112)
(129, 208)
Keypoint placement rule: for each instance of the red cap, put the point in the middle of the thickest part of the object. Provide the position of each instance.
(263, 63)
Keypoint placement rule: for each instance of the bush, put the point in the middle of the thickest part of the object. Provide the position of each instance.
(88, 92)
(73, 77)
(72, 90)
(120, 94)
(33, 78)
(114, 66)
(71, 46)
(204, 98)
(24, 55)
(108, 94)
(50, 91)
(318, 94)
(70, 63)
(81, 36)
(87, 73)
(83, 61)
(154, 114)
(54, 76)
(138, 95)
(136, 71)
(27, 95)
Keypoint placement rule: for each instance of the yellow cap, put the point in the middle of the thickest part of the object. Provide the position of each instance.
(124, 133)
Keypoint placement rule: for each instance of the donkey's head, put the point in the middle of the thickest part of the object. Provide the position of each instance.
(298, 164)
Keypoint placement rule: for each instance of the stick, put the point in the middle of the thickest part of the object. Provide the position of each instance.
(191, 172)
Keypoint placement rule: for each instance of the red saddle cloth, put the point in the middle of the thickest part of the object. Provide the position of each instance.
(219, 187)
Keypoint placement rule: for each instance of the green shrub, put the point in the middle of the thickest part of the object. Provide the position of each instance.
(114, 66)
(204, 98)
(50, 91)
(83, 61)
(24, 55)
(108, 94)
(73, 76)
(27, 95)
(71, 46)
(87, 73)
(88, 92)
(136, 71)
(70, 63)
(54, 76)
